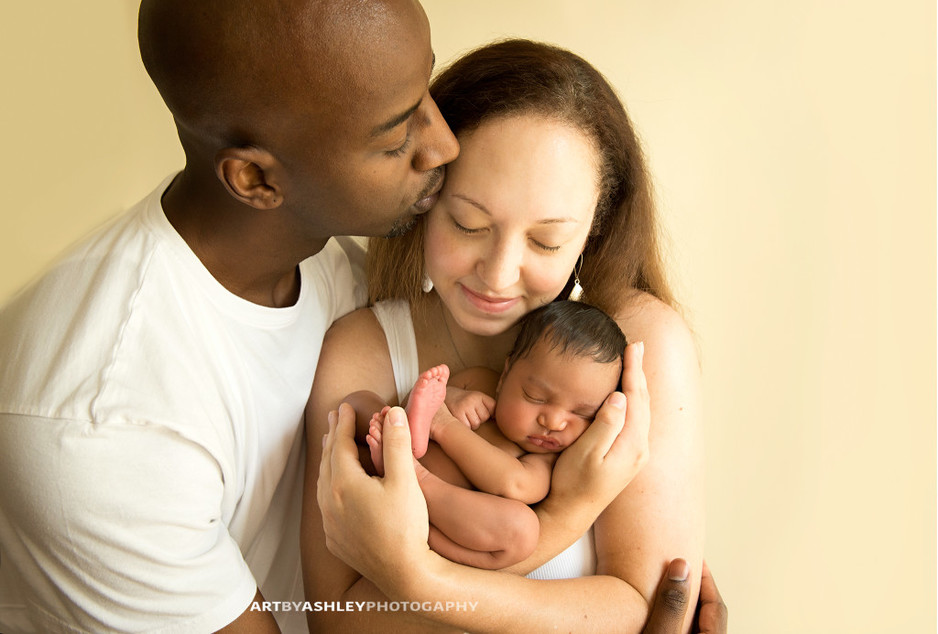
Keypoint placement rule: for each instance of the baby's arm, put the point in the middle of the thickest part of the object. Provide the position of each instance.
(489, 467)
(469, 395)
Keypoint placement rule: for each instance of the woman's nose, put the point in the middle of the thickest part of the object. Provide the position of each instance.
(500, 269)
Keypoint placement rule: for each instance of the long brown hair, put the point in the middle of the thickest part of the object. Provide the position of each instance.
(515, 77)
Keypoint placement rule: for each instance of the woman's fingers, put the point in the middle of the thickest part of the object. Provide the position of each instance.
(607, 426)
(398, 455)
(631, 445)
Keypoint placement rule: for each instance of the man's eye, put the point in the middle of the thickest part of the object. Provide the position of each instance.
(401, 150)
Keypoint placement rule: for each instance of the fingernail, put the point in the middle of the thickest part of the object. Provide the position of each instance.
(324, 436)
(396, 417)
(678, 570)
(333, 417)
(641, 348)
(617, 400)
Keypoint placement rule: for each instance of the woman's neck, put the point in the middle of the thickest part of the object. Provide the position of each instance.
(441, 340)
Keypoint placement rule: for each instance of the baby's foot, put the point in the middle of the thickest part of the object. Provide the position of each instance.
(374, 441)
(424, 400)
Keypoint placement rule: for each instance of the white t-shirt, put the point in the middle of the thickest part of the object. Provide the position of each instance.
(151, 436)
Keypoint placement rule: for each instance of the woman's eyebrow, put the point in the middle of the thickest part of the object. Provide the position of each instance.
(544, 221)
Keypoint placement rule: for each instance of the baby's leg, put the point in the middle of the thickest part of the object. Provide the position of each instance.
(475, 528)
(424, 401)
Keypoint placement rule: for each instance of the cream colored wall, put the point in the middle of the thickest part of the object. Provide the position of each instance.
(793, 145)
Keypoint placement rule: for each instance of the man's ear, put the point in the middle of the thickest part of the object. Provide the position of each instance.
(250, 174)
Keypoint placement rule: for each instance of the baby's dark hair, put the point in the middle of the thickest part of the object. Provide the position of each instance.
(570, 328)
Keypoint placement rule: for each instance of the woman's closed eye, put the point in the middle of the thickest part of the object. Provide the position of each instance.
(545, 247)
(465, 229)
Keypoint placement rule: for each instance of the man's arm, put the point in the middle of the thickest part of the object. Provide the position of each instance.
(124, 529)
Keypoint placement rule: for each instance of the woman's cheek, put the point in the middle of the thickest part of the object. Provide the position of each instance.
(547, 282)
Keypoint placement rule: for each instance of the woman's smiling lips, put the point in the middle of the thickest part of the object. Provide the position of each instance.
(487, 303)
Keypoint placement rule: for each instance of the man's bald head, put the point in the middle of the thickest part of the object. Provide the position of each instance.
(319, 109)
(232, 72)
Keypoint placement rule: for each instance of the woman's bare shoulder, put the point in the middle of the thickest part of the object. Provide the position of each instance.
(646, 318)
(358, 328)
(354, 357)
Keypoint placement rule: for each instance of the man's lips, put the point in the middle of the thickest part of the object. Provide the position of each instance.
(487, 303)
(429, 199)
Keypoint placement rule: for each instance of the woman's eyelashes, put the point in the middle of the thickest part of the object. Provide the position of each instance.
(539, 244)
(464, 229)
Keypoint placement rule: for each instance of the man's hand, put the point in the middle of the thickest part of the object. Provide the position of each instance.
(667, 615)
(378, 526)
(614, 448)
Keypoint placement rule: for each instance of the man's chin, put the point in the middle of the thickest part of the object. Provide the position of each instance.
(401, 226)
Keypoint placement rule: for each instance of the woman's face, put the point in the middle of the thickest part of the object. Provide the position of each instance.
(513, 216)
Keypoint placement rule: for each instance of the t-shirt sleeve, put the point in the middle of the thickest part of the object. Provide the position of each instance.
(355, 250)
(116, 527)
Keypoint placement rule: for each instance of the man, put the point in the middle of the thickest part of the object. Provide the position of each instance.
(153, 382)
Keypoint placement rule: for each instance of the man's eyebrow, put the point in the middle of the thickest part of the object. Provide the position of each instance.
(392, 123)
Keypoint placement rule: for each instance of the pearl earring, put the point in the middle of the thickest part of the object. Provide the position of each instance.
(427, 284)
(577, 291)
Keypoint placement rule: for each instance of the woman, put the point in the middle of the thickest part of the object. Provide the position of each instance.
(549, 193)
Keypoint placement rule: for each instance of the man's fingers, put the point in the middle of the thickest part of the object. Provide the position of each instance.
(714, 616)
(667, 614)
(395, 437)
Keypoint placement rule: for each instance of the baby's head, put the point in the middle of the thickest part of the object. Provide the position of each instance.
(566, 360)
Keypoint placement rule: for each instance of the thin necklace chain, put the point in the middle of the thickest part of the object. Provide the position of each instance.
(452, 341)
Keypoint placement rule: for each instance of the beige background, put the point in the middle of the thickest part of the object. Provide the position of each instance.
(793, 145)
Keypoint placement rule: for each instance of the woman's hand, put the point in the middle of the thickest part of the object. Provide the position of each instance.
(378, 526)
(613, 449)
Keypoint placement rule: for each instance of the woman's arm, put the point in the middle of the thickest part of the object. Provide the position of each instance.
(660, 515)
(372, 522)
(379, 526)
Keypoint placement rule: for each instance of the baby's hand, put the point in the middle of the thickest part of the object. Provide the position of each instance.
(470, 407)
